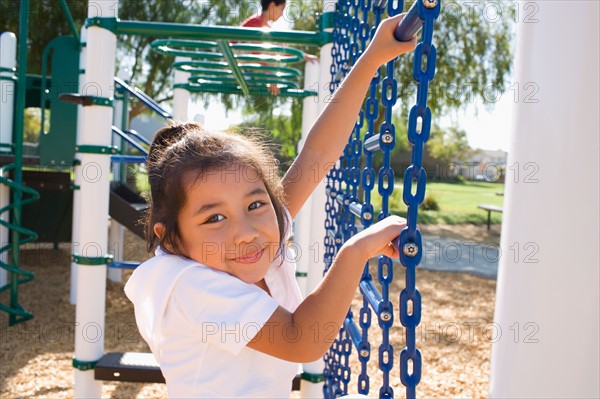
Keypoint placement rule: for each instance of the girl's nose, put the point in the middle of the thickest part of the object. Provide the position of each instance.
(246, 232)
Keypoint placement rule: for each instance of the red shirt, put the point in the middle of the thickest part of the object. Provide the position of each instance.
(254, 21)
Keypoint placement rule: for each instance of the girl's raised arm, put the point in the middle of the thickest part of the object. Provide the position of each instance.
(328, 136)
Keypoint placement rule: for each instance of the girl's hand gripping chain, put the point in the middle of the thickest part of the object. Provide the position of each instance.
(384, 47)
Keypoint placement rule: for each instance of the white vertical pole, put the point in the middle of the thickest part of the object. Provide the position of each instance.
(181, 97)
(77, 177)
(94, 194)
(8, 59)
(546, 338)
(302, 224)
(316, 249)
(116, 231)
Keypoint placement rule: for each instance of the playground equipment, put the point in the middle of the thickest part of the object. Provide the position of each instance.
(343, 204)
(516, 370)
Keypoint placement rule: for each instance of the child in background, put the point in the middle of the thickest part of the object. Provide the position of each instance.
(219, 305)
(271, 11)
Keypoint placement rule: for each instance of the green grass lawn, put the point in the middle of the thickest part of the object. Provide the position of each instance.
(457, 202)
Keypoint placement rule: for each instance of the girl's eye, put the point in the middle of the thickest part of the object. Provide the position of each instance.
(260, 204)
(214, 218)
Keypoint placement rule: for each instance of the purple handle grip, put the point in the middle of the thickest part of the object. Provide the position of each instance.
(410, 24)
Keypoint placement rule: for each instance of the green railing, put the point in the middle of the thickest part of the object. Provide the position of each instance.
(18, 234)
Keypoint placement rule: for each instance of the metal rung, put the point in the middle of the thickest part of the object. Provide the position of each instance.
(372, 294)
(331, 192)
(356, 208)
(128, 158)
(352, 329)
(123, 265)
(372, 143)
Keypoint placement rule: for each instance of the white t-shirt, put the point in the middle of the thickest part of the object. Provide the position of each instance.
(197, 322)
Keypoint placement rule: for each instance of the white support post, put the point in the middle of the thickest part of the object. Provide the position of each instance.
(317, 215)
(302, 224)
(77, 177)
(8, 59)
(94, 178)
(546, 335)
(181, 97)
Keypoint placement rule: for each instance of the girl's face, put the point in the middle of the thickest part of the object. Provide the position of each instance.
(228, 222)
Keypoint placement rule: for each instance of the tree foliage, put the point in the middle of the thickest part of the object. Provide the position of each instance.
(474, 57)
(449, 145)
(46, 21)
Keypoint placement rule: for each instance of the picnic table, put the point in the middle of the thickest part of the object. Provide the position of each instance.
(490, 209)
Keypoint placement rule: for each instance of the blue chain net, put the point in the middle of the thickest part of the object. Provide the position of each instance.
(355, 23)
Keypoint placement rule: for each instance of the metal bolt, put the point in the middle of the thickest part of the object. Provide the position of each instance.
(410, 249)
(364, 353)
(367, 216)
(430, 3)
(387, 138)
(386, 316)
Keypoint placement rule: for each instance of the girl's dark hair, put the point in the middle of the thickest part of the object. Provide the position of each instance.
(186, 147)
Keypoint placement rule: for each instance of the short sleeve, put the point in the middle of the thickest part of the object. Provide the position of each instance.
(223, 310)
(253, 22)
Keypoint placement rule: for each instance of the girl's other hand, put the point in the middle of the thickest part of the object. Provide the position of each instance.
(384, 46)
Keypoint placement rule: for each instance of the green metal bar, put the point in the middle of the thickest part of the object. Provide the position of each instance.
(65, 9)
(233, 65)
(221, 67)
(18, 141)
(233, 89)
(198, 32)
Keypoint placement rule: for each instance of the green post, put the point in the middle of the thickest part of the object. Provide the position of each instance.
(235, 69)
(69, 17)
(18, 142)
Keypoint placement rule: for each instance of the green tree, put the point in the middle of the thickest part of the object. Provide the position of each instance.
(474, 57)
(450, 146)
(46, 21)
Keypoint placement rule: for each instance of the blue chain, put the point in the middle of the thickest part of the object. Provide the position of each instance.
(410, 238)
(350, 37)
(337, 369)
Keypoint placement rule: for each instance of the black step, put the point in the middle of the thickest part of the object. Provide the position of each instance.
(127, 207)
(138, 367)
(129, 367)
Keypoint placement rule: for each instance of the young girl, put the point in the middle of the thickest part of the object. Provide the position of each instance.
(218, 304)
